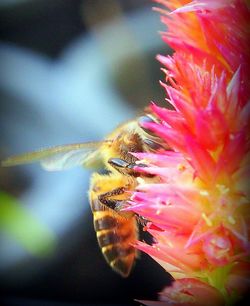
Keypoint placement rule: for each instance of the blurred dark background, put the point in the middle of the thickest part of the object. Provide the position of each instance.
(71, 70)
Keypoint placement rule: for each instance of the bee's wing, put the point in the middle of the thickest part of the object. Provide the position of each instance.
(61, 157)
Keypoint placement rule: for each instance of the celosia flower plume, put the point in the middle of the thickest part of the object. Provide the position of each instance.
(198, 205)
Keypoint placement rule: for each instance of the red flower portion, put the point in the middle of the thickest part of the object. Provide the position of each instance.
(197, 206)
(210, 30)
(188, 292)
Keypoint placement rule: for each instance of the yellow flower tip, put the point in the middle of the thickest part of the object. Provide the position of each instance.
(231, 220)
(142, 161)
(140, 180)
(207, 220)
(204, 193)
(222, 189)
(181, 167)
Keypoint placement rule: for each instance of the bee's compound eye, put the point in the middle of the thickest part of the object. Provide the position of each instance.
(146, 119)
(118, 162)
(152, 144)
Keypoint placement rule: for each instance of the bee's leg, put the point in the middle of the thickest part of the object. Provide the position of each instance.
(112, 190)
(108, 198)
(125, 167)
(119, 164)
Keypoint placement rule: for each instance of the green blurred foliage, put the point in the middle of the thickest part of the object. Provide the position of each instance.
(19, 224)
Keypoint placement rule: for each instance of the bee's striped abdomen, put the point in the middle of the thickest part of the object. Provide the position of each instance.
(115, 234)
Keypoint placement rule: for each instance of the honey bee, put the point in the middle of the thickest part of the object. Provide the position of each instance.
(116, 229)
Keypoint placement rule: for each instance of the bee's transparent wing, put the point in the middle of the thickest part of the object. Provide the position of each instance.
(61, 157)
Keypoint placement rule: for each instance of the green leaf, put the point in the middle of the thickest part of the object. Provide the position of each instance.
(26, 229)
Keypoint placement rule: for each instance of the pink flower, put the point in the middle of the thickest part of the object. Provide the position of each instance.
(188, 292)
(198, 207)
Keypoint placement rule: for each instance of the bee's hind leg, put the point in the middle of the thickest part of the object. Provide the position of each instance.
(109, 198)
(111, 191)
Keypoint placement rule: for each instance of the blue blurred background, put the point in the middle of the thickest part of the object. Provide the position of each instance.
(71, 71)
